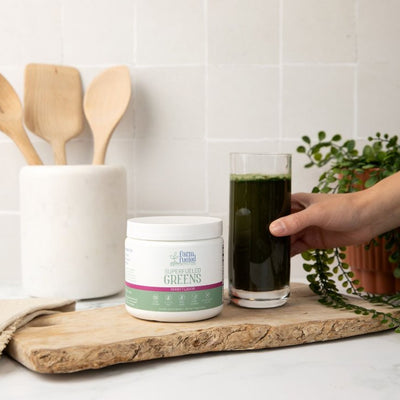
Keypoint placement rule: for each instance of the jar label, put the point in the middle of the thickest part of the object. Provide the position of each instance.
(169, 278)
(174, 299)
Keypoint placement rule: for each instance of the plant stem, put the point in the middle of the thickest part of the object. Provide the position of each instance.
(321, 283)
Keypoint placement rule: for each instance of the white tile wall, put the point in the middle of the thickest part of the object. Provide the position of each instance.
(208, 77)
(170, 176)
(243, 102)
(320, 31)
(98, 31)
(318, 97)
(239, 34)
(41, 32)
(378, 31)
(170, 32)
(11, 41)
(170, 102)
(378, 98)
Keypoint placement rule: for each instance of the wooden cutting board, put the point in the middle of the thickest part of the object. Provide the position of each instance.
(79, 340)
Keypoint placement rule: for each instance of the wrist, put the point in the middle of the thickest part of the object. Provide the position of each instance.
(380, 206)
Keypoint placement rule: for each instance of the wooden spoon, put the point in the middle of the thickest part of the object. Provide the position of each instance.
(53, 105)
(105, 103)
(11, 121)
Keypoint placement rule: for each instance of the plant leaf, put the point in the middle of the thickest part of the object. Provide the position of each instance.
(396, 272)
(371, 181)
(321, 135)
(301, 149)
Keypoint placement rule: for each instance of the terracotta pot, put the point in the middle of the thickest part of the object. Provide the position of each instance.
(372, 268)
(363, 177)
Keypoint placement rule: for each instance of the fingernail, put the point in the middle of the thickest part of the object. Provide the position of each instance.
(277, 227)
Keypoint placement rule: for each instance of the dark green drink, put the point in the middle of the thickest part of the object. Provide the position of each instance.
(259, 263)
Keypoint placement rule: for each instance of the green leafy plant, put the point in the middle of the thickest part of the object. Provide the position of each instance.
(346, 164)
(345, 170)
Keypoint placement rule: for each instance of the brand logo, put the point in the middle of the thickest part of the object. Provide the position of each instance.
(183, 258)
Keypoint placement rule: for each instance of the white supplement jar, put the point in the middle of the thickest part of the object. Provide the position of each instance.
(174, 268)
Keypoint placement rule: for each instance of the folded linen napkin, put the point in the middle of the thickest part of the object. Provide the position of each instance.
(14, 313)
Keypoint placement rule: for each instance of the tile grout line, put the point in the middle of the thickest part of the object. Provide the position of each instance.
(135, 32)
(280, 84)
(149, 212)
(62, 28)
(134, 139)
(199, 65)
(4, 213)
(246, 65)
(247, 140)
(355, 94)
(206, 169)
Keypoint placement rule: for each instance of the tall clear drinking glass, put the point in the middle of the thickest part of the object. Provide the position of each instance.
(259, 263)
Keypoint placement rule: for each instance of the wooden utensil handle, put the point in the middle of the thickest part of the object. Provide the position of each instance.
(99, 151)
(25, 145)
(99, 157)
(59, 153)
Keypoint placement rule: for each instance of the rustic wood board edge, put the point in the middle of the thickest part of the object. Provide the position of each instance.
(198, 338)
(229, 338)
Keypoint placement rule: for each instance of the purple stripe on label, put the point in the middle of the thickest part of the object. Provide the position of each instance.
(173, 289)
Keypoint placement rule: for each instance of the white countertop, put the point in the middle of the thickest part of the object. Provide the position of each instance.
(367, 367)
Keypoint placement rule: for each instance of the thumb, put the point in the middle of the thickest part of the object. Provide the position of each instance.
(289, 225)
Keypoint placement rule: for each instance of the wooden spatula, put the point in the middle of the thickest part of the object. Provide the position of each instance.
(53, 105)
(11, 121)
(105, 103)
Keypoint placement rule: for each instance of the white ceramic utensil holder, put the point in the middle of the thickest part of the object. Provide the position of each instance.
(73, 223)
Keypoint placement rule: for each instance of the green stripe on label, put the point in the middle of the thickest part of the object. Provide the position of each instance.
(173, 301)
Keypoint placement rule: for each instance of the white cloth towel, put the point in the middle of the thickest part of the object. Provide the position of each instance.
(14, 313)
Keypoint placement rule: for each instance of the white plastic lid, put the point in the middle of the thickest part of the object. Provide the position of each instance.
(174, 228)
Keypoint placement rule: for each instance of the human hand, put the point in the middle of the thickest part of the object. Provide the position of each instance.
(325, 221)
